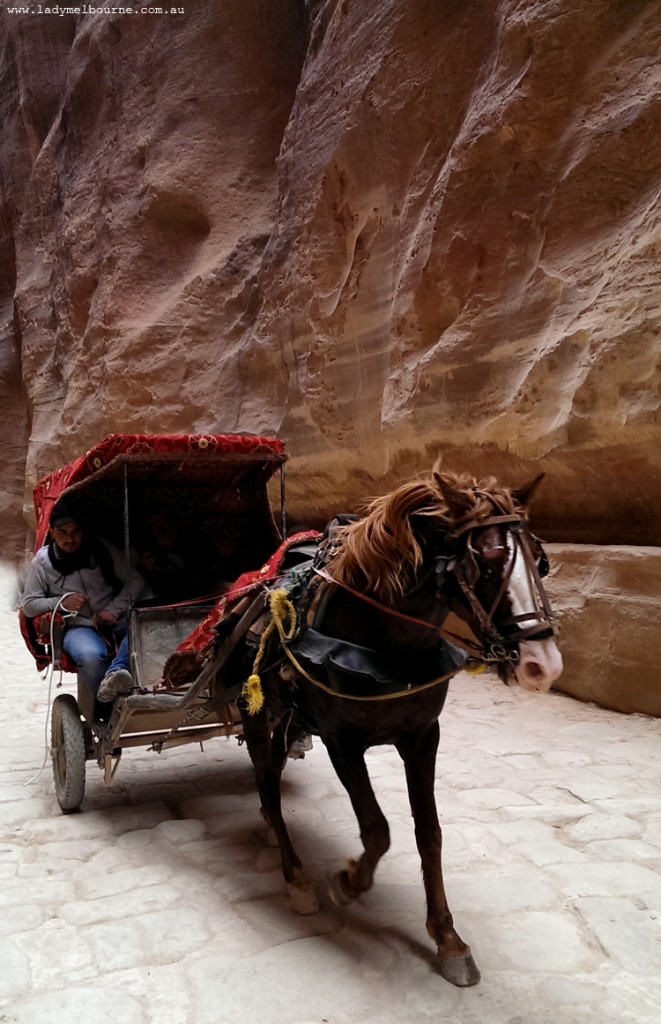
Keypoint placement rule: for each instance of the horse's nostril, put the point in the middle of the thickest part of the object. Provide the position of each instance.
(534, 670)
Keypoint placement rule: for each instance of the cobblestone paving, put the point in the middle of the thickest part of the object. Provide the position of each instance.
(161, 902)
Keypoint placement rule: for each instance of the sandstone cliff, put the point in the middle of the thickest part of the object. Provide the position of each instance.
(381, 230)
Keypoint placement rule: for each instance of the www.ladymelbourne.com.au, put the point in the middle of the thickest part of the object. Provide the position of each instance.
(63, 9)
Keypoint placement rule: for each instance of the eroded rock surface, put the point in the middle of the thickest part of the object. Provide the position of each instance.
(381, 230)
(141, 186)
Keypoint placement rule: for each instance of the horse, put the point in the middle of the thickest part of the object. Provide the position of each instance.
(354, 654)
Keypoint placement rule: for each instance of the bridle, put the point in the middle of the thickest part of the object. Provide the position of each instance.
(500, 642)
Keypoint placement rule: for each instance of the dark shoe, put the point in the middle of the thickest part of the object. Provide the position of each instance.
(120, 681)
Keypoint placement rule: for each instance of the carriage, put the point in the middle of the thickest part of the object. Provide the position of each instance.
(213, 490)
(290, 647)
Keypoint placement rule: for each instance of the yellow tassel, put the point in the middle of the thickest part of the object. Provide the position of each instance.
(252, 691)
(280, 606)
(474, 667)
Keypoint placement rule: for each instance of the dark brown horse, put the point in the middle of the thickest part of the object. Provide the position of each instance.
(359, 660)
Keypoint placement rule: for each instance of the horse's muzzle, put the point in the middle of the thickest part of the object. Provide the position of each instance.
(539, 664)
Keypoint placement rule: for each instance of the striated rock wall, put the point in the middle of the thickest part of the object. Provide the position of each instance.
(381, 230)
(140, 185)
(466, 259)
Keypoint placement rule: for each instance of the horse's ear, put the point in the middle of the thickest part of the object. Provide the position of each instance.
(458, 502)
(523, 495)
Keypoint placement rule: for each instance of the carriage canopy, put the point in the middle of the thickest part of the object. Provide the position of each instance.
(211, 489)
(195, 477)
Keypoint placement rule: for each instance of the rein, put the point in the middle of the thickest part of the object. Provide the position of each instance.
(375, 604)
(281, 608)
(499, 646)
(495, 653)
(405, 692)
(500, 653)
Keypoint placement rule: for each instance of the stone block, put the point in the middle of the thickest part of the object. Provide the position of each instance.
(608, 600)
(588, 878)
(84, 1002)
(536, 941)
(629, 935)
(15, 968)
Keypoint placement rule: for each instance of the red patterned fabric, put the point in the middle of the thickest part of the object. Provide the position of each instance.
(50, 487)
(36, 633)
(187, 660)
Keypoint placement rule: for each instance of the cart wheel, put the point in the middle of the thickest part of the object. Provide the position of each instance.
(68, 752)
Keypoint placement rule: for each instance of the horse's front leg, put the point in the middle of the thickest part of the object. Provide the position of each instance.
(456, 962)
(357, 877)
(268, 761)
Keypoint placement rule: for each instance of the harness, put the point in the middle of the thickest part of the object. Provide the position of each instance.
(353, 672)
(538, 624)
(358, 673)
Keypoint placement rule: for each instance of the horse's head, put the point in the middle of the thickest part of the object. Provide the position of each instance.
(498, 568)
(444, 541)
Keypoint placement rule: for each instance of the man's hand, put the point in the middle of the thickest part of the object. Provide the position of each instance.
(105, 618)
(74, 602)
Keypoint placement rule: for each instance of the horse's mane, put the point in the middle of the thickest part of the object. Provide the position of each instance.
(381, 554)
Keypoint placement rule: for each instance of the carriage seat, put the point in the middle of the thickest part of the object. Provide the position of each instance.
(37, 635)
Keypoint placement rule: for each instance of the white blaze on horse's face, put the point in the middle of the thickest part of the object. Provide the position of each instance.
(540, 661)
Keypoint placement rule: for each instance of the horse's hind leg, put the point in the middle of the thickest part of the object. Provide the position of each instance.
(268, 763)
(456, 962)
(374, 832)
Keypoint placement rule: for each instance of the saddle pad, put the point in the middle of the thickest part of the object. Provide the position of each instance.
(360, 672)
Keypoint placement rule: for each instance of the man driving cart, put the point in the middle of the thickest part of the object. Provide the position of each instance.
(85, 583)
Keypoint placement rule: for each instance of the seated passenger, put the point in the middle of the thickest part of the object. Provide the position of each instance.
(231, 551)
(159, 562)
(86, 578)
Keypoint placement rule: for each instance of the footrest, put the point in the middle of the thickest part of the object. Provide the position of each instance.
(154, 701)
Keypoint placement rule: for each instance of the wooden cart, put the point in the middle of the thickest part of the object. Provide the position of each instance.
(206, 482)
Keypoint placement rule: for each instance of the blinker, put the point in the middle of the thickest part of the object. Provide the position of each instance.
(543, 566)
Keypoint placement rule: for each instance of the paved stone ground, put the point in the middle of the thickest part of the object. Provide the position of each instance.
(161, 903)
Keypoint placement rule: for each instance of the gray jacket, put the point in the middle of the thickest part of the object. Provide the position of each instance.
(45, 585)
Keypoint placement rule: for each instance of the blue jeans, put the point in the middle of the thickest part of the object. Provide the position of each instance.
(90, 654)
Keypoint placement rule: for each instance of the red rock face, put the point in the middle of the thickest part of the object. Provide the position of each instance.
(381, 230)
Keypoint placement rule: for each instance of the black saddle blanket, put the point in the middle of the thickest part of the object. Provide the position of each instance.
(354, 671)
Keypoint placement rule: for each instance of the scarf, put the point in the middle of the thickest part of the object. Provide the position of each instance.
(88, 555)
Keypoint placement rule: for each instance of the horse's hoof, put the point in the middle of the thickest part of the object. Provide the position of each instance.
(459, 970)
(303, 897)
(337, 891)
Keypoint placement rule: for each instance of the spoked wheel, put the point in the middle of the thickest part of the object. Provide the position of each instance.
(68, 752)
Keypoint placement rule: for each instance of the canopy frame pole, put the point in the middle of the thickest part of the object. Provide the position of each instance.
(133, 661)
(127, 532)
